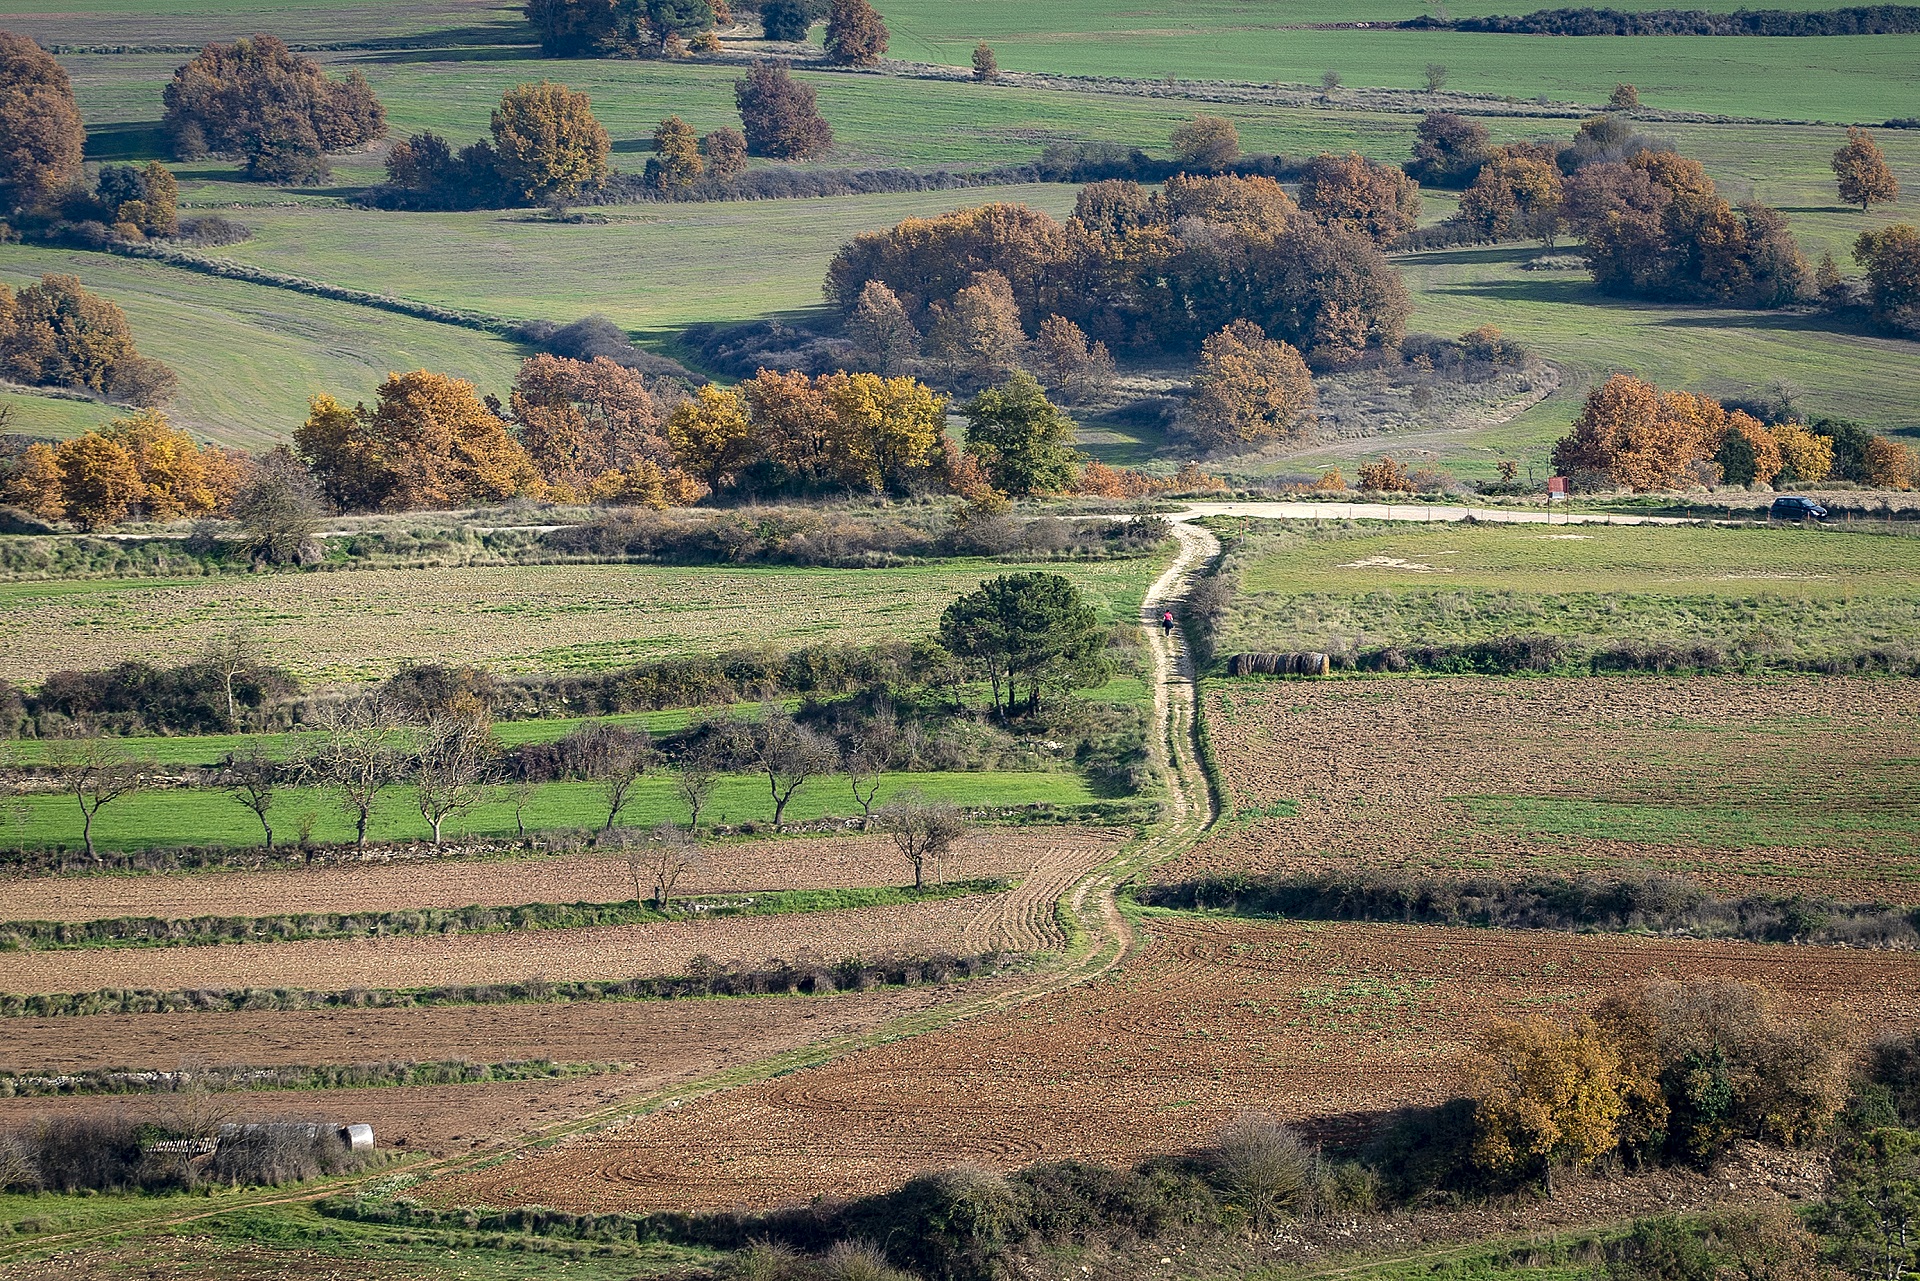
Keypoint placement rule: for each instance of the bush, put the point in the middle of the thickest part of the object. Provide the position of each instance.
(1266, 1169)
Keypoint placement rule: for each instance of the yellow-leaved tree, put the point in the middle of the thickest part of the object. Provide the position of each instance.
(1545, 1097)
(428, 442)
(549, 143)
(712, 435)
(889, 427)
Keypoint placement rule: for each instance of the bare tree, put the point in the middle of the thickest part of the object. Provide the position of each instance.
(231, 657)
(657, 864)
(519, 794)
(614, 757)
(359, 752)
(867, 762)
(923, 830)
(97, 773)
(698, 771)
(789, 754)
(454, 754)
(249, 776)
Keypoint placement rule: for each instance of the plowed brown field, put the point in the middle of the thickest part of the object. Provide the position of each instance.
(584, 876)
(1209, 1019)
(665, 1042)
(1785, 785)
(1019, 920)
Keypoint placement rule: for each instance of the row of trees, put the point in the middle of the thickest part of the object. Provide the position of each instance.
(855, 37)
(1148, 271)
(1632, 435)
(547, 145)
(57, 334)
(141, 463)
(449, 759)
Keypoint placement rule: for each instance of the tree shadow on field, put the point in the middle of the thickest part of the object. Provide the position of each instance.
(1546, 291)
(1816, 209)
(1819, 322)
(1484, 254)
(129, 140)
(456, 53)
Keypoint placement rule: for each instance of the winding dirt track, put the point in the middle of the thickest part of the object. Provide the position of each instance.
(793, 1135)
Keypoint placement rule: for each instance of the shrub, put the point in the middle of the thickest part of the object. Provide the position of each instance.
(1267, 1169)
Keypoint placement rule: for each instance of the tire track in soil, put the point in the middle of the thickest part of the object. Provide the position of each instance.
(1190, 808)
(963, 1127)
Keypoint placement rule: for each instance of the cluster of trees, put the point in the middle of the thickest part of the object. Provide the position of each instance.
(1652, 222)
(1631, 435)
(623, 28)
(546, 145)
(1144, 271)
(856, 36)
(1891, 259)
(1672, 1073)
(139, 464)
(573, 431)
(57, 334)
(274, 108)
(683, 159)
(841, 430)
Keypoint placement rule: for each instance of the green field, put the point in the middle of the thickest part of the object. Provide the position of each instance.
(656, 268)
(1864, 78)
(1772, 593)
(183, 816)
(250, 357)
(652, 268)
(33, 415)
(365, 624)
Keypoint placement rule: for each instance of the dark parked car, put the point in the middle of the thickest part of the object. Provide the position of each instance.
(1794, 507)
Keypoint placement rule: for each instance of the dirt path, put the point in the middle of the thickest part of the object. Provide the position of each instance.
(1099, 938)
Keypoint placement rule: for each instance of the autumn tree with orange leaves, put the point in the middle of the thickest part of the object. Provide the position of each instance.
(138, 464)
(1248, 390)
(1861, 172)
(429, 441)
(1358, 194)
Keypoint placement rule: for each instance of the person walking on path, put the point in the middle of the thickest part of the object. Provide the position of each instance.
(1166, 624)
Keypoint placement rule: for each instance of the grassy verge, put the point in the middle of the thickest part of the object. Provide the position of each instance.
(204, 931)
(846, 974)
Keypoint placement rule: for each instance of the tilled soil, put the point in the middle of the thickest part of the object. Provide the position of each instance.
(1407, 774)
(1309, 1022)
(1018, 920)
(579, 876)
(664, 1043)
